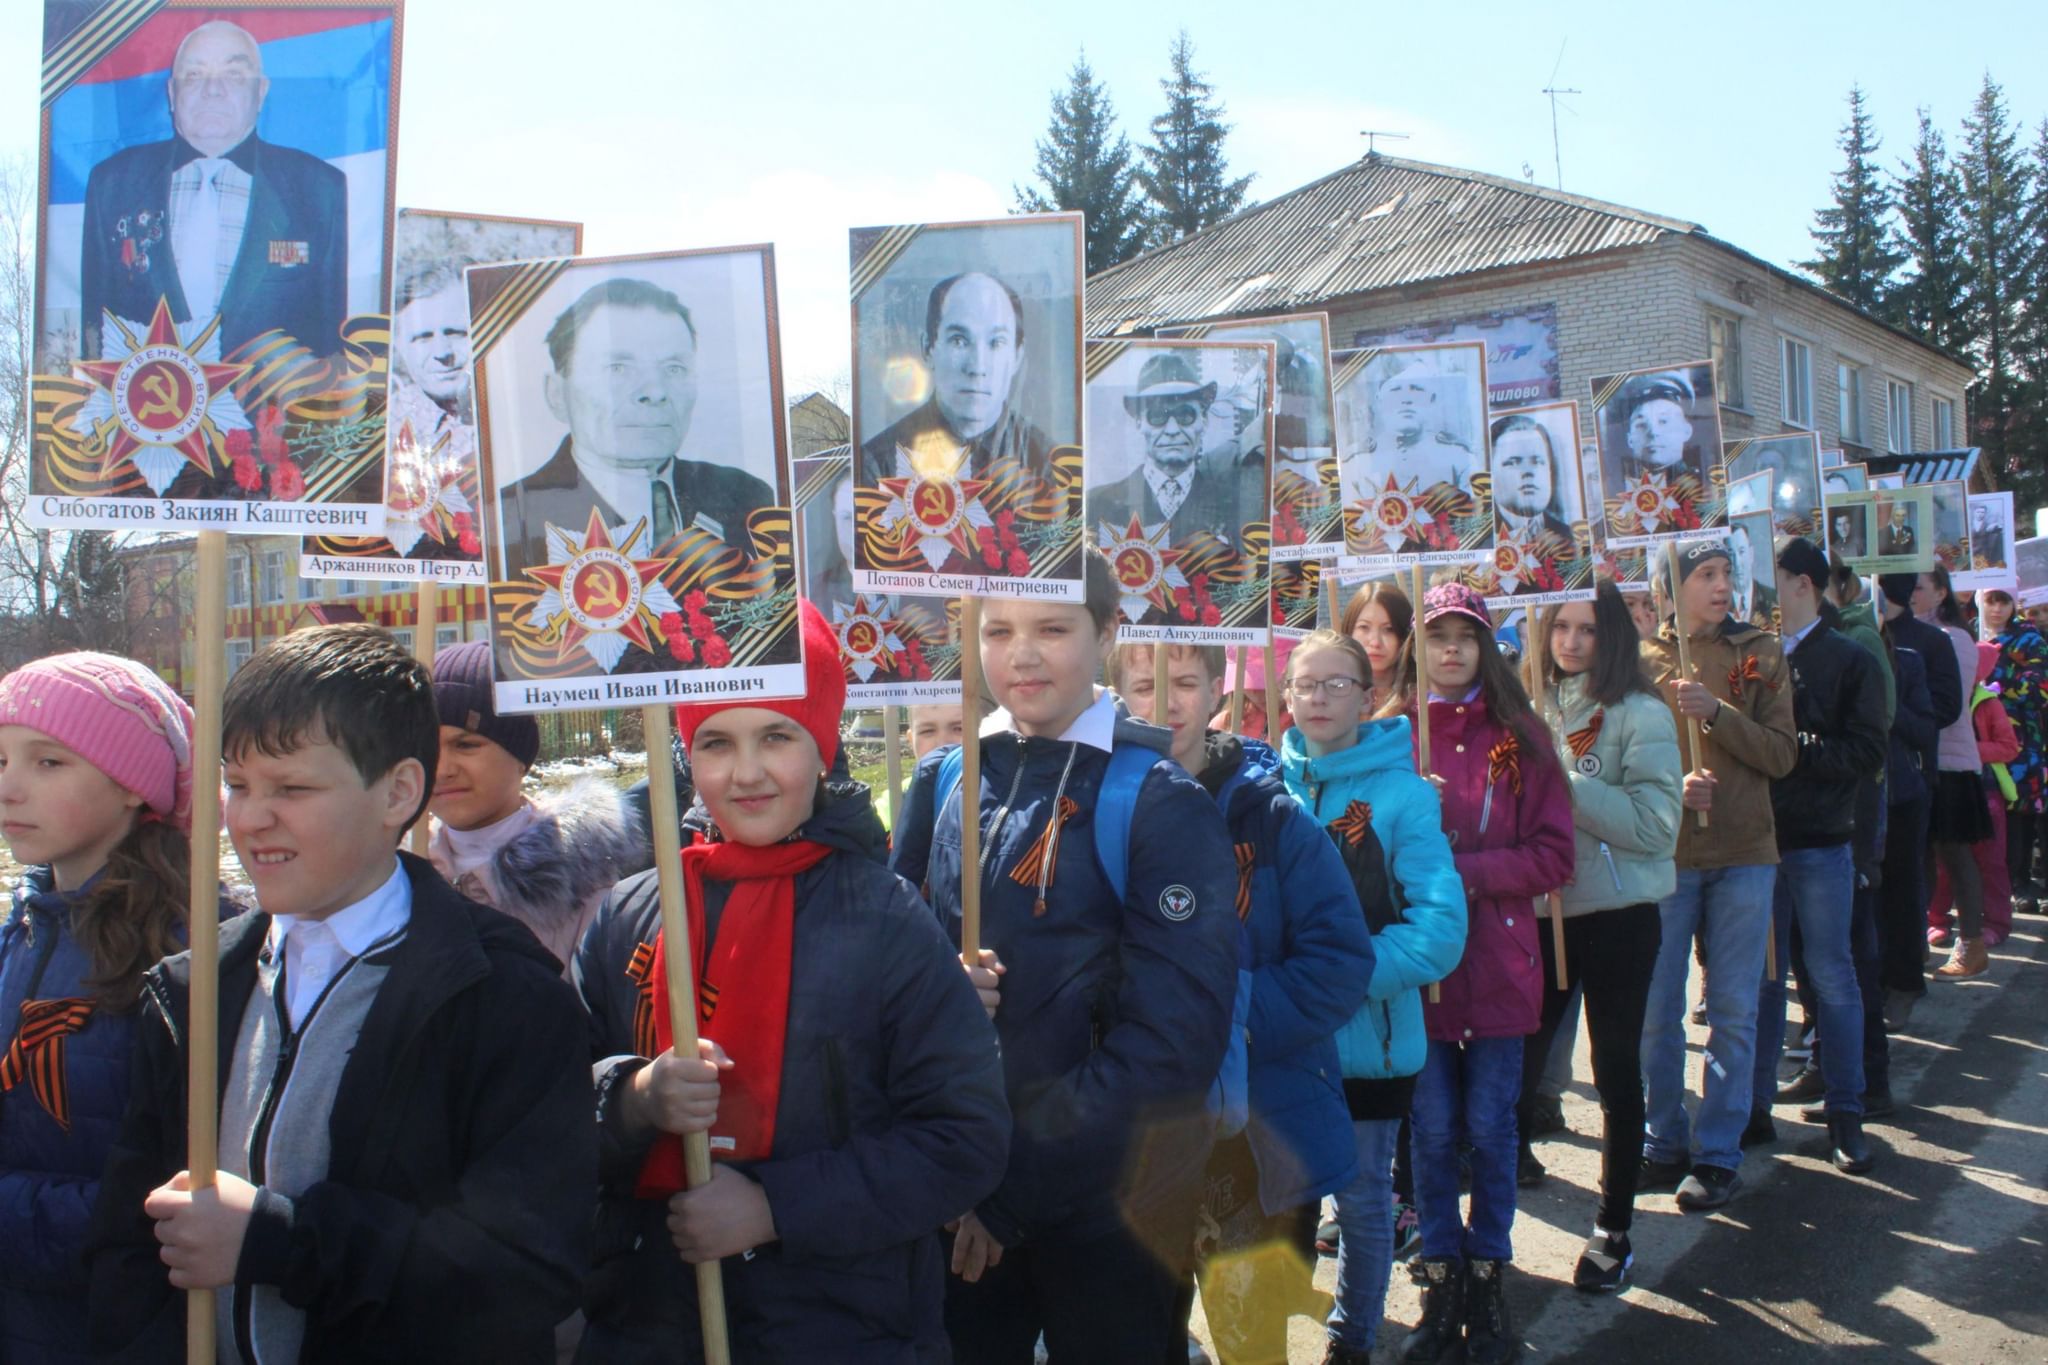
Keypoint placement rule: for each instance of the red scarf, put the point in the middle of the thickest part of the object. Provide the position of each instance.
(742, 996)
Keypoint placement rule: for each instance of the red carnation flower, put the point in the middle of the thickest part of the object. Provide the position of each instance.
(680, 646)
(716, 653)
(470, 542)
(701, 627)
(270, 442)
(286, 483)
(238, 444)
(1187, 610)
(1020, 564)
(1211, 616)
(693, 601)
(248, 474)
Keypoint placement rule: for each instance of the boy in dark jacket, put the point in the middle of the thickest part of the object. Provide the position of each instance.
(846, 1073)
(1838, 707)
(406, 1152)
(1310, 956)
(1114, 1010)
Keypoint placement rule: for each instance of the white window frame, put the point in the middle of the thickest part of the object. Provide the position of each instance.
(311, 589)
(269, 567)
(238, 580)
(1795, 363)
(447, 635)
(1898, 412)
(239, 652)
(1728, 365)
(1849, 402)
(1941, 422)
(403, 634)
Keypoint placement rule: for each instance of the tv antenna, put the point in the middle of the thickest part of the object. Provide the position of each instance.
(1553, 91)
(1370, 133)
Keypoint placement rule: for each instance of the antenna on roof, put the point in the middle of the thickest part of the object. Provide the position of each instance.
(1554, 91)
(1370, 133)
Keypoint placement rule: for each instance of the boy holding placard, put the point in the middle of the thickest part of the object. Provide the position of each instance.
(405, 1114)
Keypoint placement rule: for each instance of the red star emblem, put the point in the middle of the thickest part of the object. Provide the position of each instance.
(941, 512)
(160, 391)
(1147, 567)
(599, 590)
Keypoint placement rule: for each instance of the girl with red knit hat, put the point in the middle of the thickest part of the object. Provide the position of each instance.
(96, 800)
(846, 1072)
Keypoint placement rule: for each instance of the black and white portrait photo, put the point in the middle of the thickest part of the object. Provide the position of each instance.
(1659, 436)
(1413, 422)
(1788, 468)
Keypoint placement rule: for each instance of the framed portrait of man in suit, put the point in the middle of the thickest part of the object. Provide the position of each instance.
(213, 263)
(1949, 520)
(1658, 432)
(1787, 472)
(1991, 539)
(1177, 488)
(2030, 567)
(1893, 527)
(1412, 433)
(635, 491)
(967, 407)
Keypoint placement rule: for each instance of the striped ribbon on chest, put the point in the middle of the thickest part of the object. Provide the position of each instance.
(37, 1053)
(1505, 760)
(1352, 825)
(1035, 867)
(1581, 740)
(1746, 671)
(1247, 855)
(640, 968)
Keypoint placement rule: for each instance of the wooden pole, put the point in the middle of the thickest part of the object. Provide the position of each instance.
(1692, 727)
(970, 780)
(892, 760)
(1419, 646)
(425, 622)
(1272, 694)
(656, 724)
(1244, 653)
(1159, 684)
(1539, 696)
(1329, 572)
(202, 1011)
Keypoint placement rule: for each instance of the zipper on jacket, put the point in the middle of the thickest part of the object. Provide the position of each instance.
(1387, 1036)
(837, 1111)
(995, 828)
(1612, 870)
(1486, 808)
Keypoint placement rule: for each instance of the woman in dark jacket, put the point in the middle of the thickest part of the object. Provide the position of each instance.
(847, 1074)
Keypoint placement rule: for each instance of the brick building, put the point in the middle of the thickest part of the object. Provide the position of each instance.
(1562, 288)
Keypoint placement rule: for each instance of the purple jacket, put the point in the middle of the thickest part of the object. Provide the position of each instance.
(1508, 815)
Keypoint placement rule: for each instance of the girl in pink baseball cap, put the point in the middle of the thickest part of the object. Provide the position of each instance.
(96, 802)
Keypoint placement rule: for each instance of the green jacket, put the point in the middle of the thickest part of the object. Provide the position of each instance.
(1858, 621)
(1626, 780)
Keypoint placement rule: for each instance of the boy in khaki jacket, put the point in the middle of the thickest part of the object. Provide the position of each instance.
(1740, 697)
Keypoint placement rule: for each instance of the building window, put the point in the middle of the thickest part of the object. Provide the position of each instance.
(309, 589)
(447, 637)
(238, 654)
(1724, 348)
(270, 588)
(347, 587)
(402, 634)
(1849, 397)
(1898, 417)
(1798, 383)
(238, 580)
(1944, 424)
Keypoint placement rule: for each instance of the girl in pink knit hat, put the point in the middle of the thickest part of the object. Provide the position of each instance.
(96, 802)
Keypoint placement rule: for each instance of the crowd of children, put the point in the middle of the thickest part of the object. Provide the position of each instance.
(1223, 979)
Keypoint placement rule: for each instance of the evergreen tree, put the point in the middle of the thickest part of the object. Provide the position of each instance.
(1928, 301)
(1085, 164)
(1997, 190)
(1185, 174)
(2029, 456)
(1856, 256)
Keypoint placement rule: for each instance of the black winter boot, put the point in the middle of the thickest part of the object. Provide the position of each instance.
(1489, 1330)
(1851, 1149)
(1443, 1312)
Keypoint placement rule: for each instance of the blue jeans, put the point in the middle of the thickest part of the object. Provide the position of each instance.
(1365, 1248)
(1817, 891)
(1466, 1095)
(1729, 907)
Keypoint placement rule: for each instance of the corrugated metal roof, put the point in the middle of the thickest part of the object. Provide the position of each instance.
(1377, 224)
(1926, 466)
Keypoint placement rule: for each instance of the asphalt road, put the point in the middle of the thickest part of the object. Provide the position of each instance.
(1940, 1254)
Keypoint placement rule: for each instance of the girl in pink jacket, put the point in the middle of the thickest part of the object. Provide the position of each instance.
(1508, 814)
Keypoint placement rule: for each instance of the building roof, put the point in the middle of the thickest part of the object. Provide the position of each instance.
(1380, 223)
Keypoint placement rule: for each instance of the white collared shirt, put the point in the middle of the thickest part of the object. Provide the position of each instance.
(1094, 727)
(209, 211)
(1798, 637)
(1169, 499)
(315, 950)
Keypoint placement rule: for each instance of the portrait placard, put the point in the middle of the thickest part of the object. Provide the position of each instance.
(1411, 433)
(1850, 477)
(1627, 567)
(432, 528)
(1891, 527)
(1307, 514)
(1177, 485)
(1754, 568)
(967, 408)
(2030, 566)
(212, 265)
(1951, 524)
(1752, 494)
(1832, 456)
(898, 650)
(1522, 362)
(1658, 432)
(1542, 538)
(1787, 470)
(635, 496)
(1991, 518)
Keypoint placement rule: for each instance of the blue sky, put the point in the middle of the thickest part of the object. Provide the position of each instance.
(675, 123)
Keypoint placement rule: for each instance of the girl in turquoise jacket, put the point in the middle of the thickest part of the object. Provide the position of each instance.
(1358, 779)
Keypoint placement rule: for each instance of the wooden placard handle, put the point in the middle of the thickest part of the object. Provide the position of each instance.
(1692, 727)
(970, 780)
(1418, 648)
(202, 1012)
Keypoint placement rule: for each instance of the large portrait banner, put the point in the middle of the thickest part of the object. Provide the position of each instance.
(1951, 525)
(1542, 537)
(1177, 494)
(212, 265)
(635, 494)
(967, 408)
(2030, 566)
(1658, 433)
(1301, 459)
(1412, 430)
(1991, 517)
(432, 526)
(1785, 472)
(1880, 531)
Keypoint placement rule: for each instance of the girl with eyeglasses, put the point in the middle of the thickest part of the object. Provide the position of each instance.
(1357, 778)
(1508, 814)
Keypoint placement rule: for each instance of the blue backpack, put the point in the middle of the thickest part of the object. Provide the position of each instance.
(1116, 804)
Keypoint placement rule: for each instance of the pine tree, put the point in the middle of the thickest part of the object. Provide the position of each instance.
(1997, 190)
(1856, 256)
(2029, 454)
(1085, 164)
(1928, 301)
(1185, 173)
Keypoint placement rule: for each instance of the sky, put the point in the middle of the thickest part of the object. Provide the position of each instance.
(677, 123)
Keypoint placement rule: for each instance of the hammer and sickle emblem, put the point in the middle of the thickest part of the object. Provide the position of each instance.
(931, 503)
(1133, 566)
(159, 387)
(602, 594)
